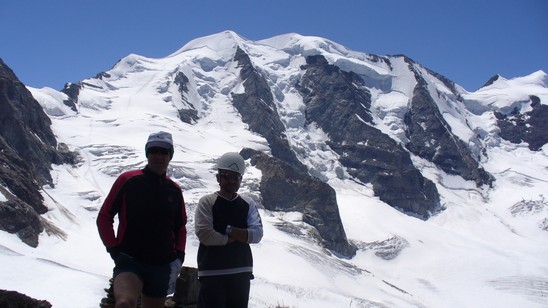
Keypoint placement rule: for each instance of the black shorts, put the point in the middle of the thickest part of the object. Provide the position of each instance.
(155, 277)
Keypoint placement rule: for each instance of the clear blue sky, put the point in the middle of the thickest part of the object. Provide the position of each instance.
(49, 43)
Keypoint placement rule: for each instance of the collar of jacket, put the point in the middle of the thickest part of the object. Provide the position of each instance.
(146, 170)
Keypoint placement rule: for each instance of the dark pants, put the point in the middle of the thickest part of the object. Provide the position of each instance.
(225, 291)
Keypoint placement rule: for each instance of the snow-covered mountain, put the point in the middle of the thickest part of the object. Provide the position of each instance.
(438, 194)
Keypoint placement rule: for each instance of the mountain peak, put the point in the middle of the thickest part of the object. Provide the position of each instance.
(219, 42)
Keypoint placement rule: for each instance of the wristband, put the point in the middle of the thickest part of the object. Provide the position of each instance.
(228, 230)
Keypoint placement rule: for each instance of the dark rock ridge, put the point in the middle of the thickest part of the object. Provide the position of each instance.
(72, 90)
(339, 103)
(257, 108)
(188, 115)
(27, 149)
(283, 188)
(430, 137)
(530, 127)
(491, 81)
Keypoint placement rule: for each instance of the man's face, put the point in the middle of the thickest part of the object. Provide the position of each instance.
(158, 159)
(229, 181)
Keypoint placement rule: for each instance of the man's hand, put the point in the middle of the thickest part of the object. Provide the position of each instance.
(237, 234)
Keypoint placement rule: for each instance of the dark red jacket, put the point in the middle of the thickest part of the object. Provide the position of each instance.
(151, 217)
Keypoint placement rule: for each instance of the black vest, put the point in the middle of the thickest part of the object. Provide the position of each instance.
(234, 255)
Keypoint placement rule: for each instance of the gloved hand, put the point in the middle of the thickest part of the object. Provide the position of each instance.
(181, 256)
(114, 252)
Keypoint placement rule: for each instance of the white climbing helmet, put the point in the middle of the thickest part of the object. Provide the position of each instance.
(231, 161)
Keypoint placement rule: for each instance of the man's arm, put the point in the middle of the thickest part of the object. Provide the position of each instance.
(180, 238)
(203, 223)
(105, 218)
(254, 232)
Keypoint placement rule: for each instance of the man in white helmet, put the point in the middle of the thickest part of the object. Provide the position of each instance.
(226, 223)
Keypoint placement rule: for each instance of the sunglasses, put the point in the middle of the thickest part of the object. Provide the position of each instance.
(157, 150)
(230, 176)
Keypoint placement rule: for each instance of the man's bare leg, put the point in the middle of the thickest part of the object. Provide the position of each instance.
(127, 289)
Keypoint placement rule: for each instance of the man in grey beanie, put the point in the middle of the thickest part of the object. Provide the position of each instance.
(148, 248)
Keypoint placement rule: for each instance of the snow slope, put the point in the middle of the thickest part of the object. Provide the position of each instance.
(488, 248)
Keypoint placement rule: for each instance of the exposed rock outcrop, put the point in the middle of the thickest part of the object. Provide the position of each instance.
(27, 149)
(72, 90)
(257, 108)
(339, 103)
(285, 189)
(430, 137)
(188, 115)
(530, 126)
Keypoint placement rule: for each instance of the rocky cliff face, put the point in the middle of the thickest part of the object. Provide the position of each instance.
(430, 137)
(530, 126)
(339, 103)
(28, 148)
(284, 188)
(257, 108)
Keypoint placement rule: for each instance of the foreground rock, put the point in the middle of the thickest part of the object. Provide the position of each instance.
(13, 299)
